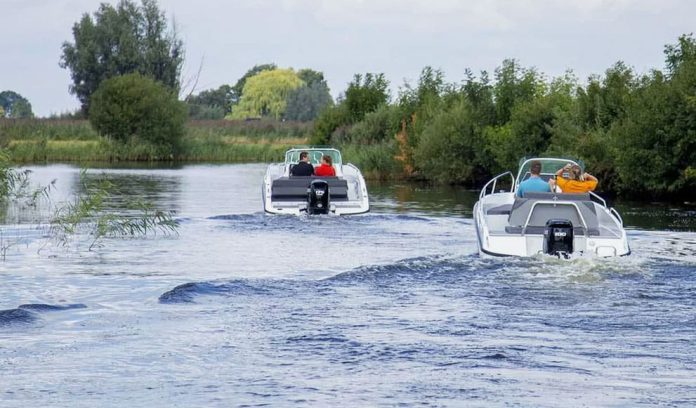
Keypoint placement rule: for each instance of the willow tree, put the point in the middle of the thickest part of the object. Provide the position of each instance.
(266, 94)
(15, 105)
(128, 38)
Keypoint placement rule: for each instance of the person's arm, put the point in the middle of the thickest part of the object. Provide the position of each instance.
(590, 177)
(591, 181)
(560, 171)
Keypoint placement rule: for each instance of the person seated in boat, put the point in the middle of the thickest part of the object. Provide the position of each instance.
(325, 169)
(303, 168)
(534, 183)
(577, 182)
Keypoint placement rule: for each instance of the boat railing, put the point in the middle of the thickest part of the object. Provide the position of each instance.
(598, 199)
(611, 210)
(494, 181)
(617, 215)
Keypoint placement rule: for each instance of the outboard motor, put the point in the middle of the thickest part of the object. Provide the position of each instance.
(318, 197)
(558, 238)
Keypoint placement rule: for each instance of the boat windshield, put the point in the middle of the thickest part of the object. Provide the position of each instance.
(549, 167)
(293, 156)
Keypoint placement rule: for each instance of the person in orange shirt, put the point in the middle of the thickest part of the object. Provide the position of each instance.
(578, 182)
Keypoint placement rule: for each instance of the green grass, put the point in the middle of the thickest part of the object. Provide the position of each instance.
(52, 140)
(375, 161)
(59, 141)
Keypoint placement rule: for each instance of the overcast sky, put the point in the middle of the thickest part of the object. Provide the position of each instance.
(344, 37)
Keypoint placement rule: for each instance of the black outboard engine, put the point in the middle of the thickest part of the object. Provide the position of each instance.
(318, 197)
(558, 238)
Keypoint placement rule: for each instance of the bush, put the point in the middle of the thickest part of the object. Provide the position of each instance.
(452, 147)
(133, 108)
(376, 127)
(375, 161)
(328, 121)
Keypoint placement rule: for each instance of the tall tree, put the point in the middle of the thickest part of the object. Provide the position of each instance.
(307, 102)
(15, 105)
(211, 103)
(120, 40)
(134, 107)
(238, 88)
(266, 94)
(365, 94)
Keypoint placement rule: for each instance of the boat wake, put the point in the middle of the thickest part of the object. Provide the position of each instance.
(29, 313)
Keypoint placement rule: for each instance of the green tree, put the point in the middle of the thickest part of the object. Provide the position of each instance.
(306, 102)
(327, 122)
(211, 103)
(452, 147)
(656, 141)
(365, 94)
(266, 94)
(2, 112)
(514, 84)
(604, 100)
(311, 77)
(529, 130)
(15, 105)
(238, 88)
(136, 109)
(120, 40)
(683, 51)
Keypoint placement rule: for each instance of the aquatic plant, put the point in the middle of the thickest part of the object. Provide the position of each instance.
(87, 213)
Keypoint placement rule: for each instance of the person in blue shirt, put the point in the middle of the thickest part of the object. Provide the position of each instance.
(534, 183)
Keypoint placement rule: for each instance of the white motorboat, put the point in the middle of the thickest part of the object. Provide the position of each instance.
(344, 194)
(553, 223)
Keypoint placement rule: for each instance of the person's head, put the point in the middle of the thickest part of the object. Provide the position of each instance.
(575, 172)
(326, 159)
(535, 168)
(304, 156)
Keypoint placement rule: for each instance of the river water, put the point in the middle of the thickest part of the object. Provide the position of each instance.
(393, 308)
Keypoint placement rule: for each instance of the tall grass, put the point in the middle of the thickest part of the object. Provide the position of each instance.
(55, 140)
(375, 161)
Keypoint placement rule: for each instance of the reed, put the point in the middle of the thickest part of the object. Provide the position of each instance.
(55, 140)
(375, 161)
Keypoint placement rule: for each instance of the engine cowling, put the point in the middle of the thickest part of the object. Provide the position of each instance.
(318, 200)
(558, 237)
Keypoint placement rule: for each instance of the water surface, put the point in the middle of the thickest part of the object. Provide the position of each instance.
(391, 308)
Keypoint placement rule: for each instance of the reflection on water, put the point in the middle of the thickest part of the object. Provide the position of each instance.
(449, 200)
(394, 307)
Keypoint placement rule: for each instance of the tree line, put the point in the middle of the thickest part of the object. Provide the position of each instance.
(636, 132)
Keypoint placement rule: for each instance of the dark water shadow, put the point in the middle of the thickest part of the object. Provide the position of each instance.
(29, 313)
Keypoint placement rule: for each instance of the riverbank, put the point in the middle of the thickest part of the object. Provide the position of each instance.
(39, 141)
(31, 141)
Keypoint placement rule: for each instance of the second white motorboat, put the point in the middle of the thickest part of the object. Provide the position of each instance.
(344, 194)
(545, 223)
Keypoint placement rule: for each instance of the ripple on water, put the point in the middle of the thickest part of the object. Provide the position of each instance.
(27, 313)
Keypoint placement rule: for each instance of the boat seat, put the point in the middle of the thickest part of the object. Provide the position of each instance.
(294, 188)
(557, 196)
(541, 207)
(539, 230)
(500, 210)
